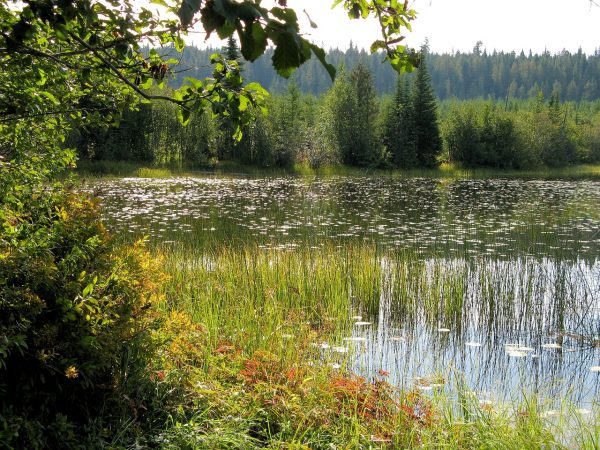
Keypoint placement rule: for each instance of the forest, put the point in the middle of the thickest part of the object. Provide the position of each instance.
(353, 123)
(479, 74)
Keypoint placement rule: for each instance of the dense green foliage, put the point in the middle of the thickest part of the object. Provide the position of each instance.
(537, 133)
(76, 340)
(350, 125)
(479, 74)
(75, 315)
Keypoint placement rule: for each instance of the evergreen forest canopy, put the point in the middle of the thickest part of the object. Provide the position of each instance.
(479, 74)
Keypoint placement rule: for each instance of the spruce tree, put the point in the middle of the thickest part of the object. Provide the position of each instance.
(365, 151)
(340, 117)
(232, 51)
(398, 136)
(426, 128)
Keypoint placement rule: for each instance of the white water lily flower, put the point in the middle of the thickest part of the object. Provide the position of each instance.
(444, 330)
(525, 349)
(340, 349)
(362, 324)
(552, 345)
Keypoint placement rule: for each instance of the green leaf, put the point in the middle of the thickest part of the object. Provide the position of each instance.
(378, 45)
(179, 43)
(253, 40)
(320, 54)
(147, 84)
(211, 20)
(42, 77)
(184, 116)
(187, 10)
(290, 52)
(286, 15)
(256, 87)
(227, 9)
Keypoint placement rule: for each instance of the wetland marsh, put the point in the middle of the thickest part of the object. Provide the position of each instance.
(432, 282)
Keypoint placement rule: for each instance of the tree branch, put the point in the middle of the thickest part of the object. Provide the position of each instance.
(52, 113)
(123, 78)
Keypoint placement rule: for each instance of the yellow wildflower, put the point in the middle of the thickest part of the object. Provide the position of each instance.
(71, 372)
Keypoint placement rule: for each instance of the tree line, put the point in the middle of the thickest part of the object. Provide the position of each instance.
(351, 124)
(478, 74)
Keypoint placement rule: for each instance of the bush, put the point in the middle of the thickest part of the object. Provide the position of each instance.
(75, 315)
(485, 137)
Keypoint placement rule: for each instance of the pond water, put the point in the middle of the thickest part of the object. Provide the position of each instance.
(533, 243)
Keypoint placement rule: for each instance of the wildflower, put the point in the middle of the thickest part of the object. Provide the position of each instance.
(71, 372)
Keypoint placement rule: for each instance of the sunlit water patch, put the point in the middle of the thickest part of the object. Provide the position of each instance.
(494, 217)
(503, 327)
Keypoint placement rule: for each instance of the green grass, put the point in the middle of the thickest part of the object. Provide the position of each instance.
(227, 168)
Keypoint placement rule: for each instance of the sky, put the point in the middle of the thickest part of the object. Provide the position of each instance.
(456, 25)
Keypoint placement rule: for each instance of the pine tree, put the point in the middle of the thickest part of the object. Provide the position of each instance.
(426, 128)
(340, 117)
(365, 151)
(232, 52)
(398, 132)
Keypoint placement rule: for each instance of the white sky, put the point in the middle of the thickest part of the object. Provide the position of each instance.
(458, 24)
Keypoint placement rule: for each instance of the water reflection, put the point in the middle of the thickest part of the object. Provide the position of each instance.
(505, 326)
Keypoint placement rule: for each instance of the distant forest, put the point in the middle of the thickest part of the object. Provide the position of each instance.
(479, 74)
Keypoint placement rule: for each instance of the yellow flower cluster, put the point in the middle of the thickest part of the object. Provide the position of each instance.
(71, 372)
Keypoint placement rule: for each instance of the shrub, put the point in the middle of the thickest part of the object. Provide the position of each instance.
(75, 311)
(485, 137)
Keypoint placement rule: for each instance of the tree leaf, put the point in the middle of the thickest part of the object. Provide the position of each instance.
(290, 52)
(187, 10)
(253, 40)
(320, 54)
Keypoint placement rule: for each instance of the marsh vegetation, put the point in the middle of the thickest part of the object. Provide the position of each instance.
(485, 288)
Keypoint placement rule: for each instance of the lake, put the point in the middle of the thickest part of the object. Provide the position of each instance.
(501, 291)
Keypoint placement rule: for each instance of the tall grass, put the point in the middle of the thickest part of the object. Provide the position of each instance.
(278, 307)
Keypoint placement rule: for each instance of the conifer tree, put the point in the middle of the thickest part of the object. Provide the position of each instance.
(426, 128)
(365, 150)
(232, 51)
(340, 115)
(398, 132)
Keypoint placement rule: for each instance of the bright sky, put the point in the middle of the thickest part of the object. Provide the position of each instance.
(458, 24)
